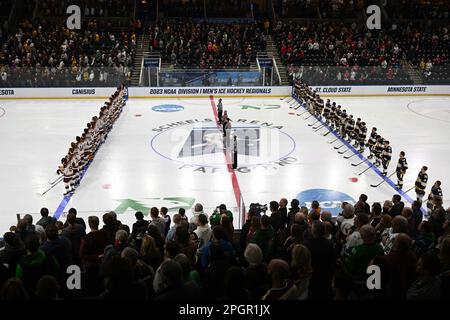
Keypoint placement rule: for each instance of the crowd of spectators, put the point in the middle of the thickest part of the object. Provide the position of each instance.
(418, 9)
(294, 253)
(427, 46)
(327, 9)
(49, 54)
(337, 51)
(90, 8)
(200, 8)
(207, 45)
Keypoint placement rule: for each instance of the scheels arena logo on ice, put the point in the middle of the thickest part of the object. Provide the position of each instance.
(168, 108)
(329, 200)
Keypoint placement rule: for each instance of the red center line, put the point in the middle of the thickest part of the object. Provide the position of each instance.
(234, 180)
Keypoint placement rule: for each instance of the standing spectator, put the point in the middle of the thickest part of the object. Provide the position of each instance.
(157, 221)
(278, 271)
(92, 248)
(424, 243)
(114, 250)
(35, 264)
(427, 286)
(323, 263)
(283, 212)
(176, 223)
(220, 239)
(182, 213)
(301, 272)
(109, 228)
(58, 247)
(444, 276)
(264, 237)
(256, 272)
(74, 232)
(399, 225)
(397, 207)
(235, 285)
(203, 231)
(354, 239)
(402, 265)
(198, 210)
(73, 211)
(139, 228)
(45, 220)
(149, 253)
(11, 253)
(417, 212)
(375, 216)
(167, 220)
(292, 211)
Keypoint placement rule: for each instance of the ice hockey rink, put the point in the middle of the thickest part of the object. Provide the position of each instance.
(169, 152)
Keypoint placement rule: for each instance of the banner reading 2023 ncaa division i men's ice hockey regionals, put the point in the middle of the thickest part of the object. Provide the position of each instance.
(193, 92)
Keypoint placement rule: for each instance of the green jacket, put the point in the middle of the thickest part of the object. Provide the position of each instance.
(264, 239)
(214, 220)
(358, 259)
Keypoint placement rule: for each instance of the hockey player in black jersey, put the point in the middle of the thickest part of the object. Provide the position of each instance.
(378, 150)
(386, 157)
(362, 137)
(435, 197)
(372, 141)
(402, 166)
(421, 183)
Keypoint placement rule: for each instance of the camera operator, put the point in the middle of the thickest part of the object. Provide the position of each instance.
(220, 210)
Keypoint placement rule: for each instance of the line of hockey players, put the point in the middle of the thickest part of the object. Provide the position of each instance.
(82, 151)
(355, 133)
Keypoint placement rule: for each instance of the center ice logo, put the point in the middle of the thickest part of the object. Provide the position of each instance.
(330, 200)
(168, 108)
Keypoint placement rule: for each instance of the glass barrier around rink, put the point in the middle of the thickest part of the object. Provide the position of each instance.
(13, 77)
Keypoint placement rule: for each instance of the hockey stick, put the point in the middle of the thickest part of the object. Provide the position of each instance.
(337, 148)
(311, 124)
(348, 157)
(384, 180)
(327, 133)
(357, 164)
(364, 171)
(59, 177)
(342, 152)
(331, 142)
(318, 128)
(54, 185)
(303, 113)
(410, 189)
(308, 117)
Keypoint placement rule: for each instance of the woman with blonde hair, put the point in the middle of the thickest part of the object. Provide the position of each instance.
(150, 254)
(301, 272)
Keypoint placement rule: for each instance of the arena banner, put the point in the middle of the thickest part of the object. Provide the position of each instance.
(363, 91)
(198, 92)
(55, 93)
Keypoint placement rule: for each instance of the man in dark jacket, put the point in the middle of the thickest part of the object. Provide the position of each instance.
(12, 252)
(323, 260)
(398, 206)
(295, 207)
(45, 220)
(58, 247)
